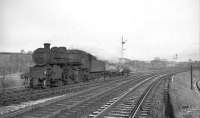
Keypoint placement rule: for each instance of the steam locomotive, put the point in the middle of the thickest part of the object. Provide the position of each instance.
(58, 66)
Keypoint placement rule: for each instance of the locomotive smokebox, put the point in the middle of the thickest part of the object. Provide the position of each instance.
(47, 46)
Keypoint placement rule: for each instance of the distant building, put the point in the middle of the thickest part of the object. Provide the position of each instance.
(159, 63)
(171, 64)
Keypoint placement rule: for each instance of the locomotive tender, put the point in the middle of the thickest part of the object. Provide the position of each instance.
(58, 66)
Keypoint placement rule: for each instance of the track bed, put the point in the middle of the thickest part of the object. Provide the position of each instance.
(130, 97)
(90, 93)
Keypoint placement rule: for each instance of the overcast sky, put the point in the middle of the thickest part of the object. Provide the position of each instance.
(153, 28)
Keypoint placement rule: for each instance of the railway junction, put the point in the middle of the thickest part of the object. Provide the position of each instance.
(134, 96)
(71, 83)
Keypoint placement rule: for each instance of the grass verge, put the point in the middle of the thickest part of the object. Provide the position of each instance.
(185, 102)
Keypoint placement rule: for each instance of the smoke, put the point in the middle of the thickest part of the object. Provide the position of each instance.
(100, 53)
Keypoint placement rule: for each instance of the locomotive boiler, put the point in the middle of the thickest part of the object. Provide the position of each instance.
(58, 66)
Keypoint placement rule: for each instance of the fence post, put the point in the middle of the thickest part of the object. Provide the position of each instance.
(191, 77)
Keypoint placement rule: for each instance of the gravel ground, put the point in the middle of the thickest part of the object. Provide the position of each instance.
(158, 106)
(7, 109)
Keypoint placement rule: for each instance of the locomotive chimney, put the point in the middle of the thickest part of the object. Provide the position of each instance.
(47, 46)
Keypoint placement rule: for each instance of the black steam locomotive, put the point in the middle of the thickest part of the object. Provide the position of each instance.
(58, 66)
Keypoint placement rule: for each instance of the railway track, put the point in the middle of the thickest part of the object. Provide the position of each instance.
(84, 109)
(80, 100)
(22, 88)
(16, 96)
(133, 103)
(144, 103)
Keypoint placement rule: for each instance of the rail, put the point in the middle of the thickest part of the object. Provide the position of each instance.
(198, 85)
(142, 99)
